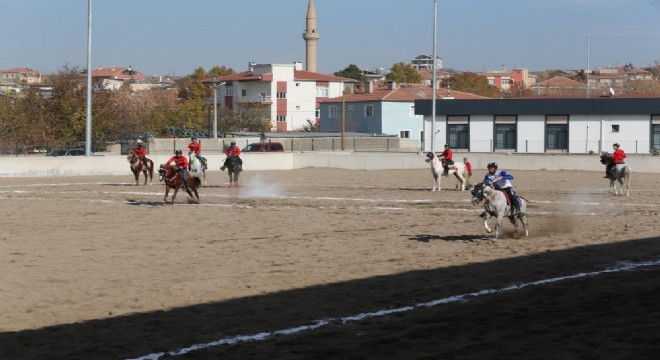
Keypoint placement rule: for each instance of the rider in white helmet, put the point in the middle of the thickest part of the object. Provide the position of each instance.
(501, 180)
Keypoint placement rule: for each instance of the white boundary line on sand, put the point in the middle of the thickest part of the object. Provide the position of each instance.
(263, 336)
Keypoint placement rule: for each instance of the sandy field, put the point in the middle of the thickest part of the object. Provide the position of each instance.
(305, 264)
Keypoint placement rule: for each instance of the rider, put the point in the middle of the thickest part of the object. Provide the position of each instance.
(181, 166)
(617, 158)
(231, 151)
(447, 158)
(501, 181)
(141, 152)
(196, 147)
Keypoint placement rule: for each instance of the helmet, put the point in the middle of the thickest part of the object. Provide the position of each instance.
(447, 145)
(193, 138)
(233, 143)
(492, 165)
(178, 152)
(616, 144)
(139, 144)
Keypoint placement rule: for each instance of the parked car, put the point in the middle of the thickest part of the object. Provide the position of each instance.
(264, 147)
(67, 152)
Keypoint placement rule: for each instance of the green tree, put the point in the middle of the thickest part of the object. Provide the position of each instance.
(352, 72)
(471, 83)
(404, 73)
(218, 71)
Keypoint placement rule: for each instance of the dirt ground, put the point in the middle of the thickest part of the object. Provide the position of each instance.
(97, 268)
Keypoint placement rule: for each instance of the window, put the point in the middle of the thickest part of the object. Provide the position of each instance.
(322, 91)
(556, 132)
(281, 95)
(281, 118)
(368, 111)
(317, 113)
(412, 111)
(655, 132)
(243, 92)
(505, 132)
(297, 108)
(458, 132)
(615, 128)
(404, 134)
(332, 111)
(229, 91)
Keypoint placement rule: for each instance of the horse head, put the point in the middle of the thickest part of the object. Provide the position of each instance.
(605, 158)
(429, 157)
(130, 155)
(478, 193)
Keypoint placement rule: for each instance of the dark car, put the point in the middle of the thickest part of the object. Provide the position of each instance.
(67, 152)
(264, 147)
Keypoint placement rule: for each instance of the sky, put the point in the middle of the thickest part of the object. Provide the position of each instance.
(174, 37)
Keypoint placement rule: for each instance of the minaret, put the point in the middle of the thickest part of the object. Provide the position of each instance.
(311, 36)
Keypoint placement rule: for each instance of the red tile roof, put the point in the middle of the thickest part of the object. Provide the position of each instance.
(298, 75)
(404, 93)
(560, 81)
(22, 70)
(117, 73)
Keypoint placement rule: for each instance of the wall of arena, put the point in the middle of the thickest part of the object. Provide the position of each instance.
(118, 164)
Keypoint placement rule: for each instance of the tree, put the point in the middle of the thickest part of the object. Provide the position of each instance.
(218, 71)
(471, 83)
(404, 73)
(352, 72)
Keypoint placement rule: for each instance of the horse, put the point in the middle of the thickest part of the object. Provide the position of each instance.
(620, 173)
(176, 183)
(458, 169)
(496, 204)
(196, 167)
(137, 167)
(234, 168)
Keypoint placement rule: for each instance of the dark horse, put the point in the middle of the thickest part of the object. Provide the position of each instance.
(234, 168)
(619, 172)
(137, 167)
(176, 182)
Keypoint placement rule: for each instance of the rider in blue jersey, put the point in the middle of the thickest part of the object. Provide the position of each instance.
(501, 180)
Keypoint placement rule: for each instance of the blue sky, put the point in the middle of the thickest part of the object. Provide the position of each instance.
(176, 36)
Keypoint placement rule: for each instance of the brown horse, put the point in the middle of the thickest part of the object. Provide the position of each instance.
(137, 167)
(176, 182)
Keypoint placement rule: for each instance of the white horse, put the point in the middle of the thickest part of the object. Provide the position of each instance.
(495, 204)
(620, 173)
(196, 168)
(458, 169)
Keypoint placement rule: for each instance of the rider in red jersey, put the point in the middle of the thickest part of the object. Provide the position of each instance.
(447, 158)
(180, 166)
(196, 148)
(232, 151)
(617, 158)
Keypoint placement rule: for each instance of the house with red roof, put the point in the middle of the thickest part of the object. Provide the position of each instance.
(288, 95)
(20, 76)
(559, 85)
(384, 111)
(114, 78)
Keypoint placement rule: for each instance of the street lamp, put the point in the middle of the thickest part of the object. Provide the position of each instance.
(435, 74)
(88, 121)
(215, 106)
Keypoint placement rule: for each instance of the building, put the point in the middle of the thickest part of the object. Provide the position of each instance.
(20, 76)
(616, 77)
(504, 79)
(114, 78)
(559, 85)
(311, 37)
(561, 125)
(288, 95)
(384, 111)
(426, 62)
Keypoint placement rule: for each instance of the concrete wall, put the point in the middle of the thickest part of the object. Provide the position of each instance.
(118, 165)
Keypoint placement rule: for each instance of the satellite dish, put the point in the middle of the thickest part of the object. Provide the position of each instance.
(611, 92)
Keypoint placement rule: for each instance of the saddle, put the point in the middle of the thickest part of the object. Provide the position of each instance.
(506, 195)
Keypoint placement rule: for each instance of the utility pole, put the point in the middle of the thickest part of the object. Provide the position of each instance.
(343, 120)
(88, 120)
(588, 64)
(435, 74)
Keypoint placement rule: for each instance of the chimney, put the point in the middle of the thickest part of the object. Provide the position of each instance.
(251, 66)
(298, 65)
(503, 68)
(391, 85)
(369, 87)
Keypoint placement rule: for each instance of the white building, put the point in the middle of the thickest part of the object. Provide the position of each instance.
(575, 125)
(289, 95)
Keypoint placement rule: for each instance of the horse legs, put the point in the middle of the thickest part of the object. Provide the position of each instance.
(461, 179)
(146, 176)
(167, 191)
(484, 216)
(500, 217)
(137, 177)
(436, 182)
(626, 177)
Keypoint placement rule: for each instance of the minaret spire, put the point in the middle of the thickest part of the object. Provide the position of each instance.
(311, 36)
